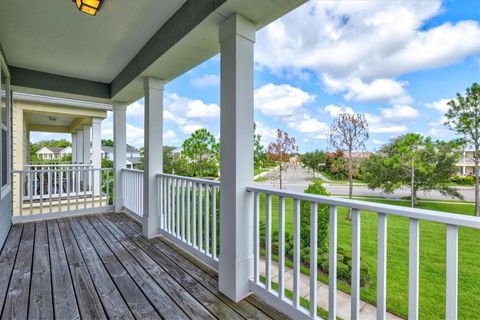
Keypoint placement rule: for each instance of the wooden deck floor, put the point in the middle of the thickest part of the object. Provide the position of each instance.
(99, 267)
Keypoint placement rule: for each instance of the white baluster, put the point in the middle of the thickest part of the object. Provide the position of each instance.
(355, 306)
(382, 267)
(413, 263)
(452, 272)
(313, 258)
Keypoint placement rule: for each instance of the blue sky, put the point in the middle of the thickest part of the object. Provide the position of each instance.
(397, 62)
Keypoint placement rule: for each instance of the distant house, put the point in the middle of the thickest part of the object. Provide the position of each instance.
(53, 153)
(466, 162)
(134, 162)
(132, 152)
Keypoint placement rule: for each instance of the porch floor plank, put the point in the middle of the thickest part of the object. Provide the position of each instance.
(7, 261)
(41, 303)
(19, 289)
(100, 266)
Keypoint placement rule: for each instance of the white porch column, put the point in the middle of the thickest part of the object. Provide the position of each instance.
(119, 151)
(96, 152)
(86, 156)
(80, 146)
(153, 154)
(74, 147)
(237, 37)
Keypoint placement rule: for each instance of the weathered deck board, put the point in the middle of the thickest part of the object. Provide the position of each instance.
(87, 297)
(165, 306)
(212, 302)
(41, 299)
(7, 261)
(115, 306)
(64, 301)
(182, 297)
(100, 266)
(250, 308)
(19, 288)
(136, 300)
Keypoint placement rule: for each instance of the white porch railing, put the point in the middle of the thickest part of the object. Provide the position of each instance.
(132, 189)
(187, 208)
(42, 193)
(188, 215)
(292, 307)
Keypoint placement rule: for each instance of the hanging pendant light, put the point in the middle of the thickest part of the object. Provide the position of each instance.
(88, 6)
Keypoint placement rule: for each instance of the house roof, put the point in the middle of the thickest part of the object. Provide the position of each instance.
(134, 160)
(51, 149)
(130, 149)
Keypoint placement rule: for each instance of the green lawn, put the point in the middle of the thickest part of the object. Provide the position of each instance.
(432, 259)
(334, 178)
(260, 170)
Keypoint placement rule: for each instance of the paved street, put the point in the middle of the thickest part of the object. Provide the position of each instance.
(297, 179)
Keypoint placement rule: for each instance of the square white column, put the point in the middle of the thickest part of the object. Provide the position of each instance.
(96, 152)
(153, 154)
(237, 37)
(86, 144)
(80, 146)
(119, 151)
(74, 147)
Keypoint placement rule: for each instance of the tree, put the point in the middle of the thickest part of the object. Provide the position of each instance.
(416, 162)
(314, 160)
(323, 218)
(201, 150)
(280, 152)
(463, 117)
(107, 143)
(349, 132)
(259, 156)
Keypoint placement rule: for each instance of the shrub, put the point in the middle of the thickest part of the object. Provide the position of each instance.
(323, 217)
(467, 181)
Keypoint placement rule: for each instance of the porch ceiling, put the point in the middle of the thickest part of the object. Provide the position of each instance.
(69, 43)
(55, 50)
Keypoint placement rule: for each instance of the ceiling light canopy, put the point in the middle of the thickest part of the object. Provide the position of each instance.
(88, 6)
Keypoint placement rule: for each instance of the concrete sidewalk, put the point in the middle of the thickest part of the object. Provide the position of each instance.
(367, 310)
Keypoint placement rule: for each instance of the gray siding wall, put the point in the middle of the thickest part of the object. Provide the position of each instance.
(5, 217)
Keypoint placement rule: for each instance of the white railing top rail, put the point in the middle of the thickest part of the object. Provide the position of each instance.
(62, 170)
(204, 181)
(421, 214)
(58, 165)
(132, 170)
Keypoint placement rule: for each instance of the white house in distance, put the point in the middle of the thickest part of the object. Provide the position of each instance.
(466, 162)
(57, 153)
(53, 153)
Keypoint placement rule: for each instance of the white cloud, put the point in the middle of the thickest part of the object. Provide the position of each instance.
(267, 134)
(134, 134)
(388, 129)
(359, 47)
(207, 80)
(190, 108)
(309, 125)
(167, 115)
(439, 105)
(191, 128)
(378, 142)
(334, 110)
(136, 109)
(169, 135)
(399, 113)
(281, 100)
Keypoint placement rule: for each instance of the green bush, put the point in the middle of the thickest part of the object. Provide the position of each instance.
(344, 259)
(466, 181)
(323, 217)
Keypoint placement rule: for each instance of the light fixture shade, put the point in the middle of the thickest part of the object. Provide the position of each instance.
(88, 6)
